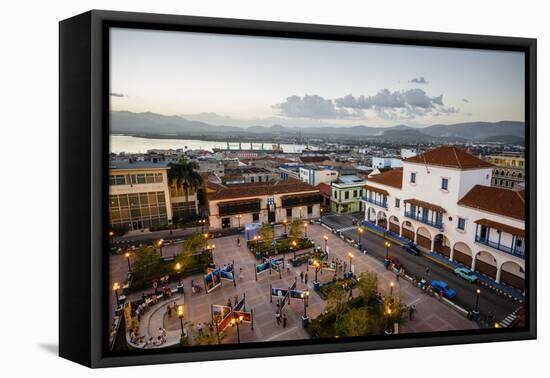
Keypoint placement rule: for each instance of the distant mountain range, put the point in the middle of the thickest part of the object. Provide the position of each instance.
(152, 124)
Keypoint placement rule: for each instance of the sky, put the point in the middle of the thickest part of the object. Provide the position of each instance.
(245, 81)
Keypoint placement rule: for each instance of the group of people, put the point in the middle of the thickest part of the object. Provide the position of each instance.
(280, 316)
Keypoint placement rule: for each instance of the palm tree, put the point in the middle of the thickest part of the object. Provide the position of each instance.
(184, 174)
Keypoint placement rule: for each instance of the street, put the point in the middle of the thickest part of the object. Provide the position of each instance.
(489, 301)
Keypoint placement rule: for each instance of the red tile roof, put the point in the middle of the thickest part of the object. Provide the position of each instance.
(224, 192)
(325, 189)
(508, 203)
(392, 177)
(449, 156)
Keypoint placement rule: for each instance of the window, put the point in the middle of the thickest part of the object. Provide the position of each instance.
(346, 195)
(289, 212)
(397, 202)
(355, 194)
(461, 224)
(413, 177)
(255, 217)
(309, 210)
(445, 183)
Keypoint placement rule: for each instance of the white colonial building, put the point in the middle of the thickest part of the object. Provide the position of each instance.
(443, 201)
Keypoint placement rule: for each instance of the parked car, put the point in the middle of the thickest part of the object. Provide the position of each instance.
(395, 261)
(441, 287)
(466, 274)
(412, 249)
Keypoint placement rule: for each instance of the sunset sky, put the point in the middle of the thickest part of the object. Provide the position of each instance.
(243, 81)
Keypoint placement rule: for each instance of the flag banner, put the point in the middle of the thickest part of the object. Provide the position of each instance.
(238, 305)
(247, 316)
(222, 324)
(262, 267)
(226, 275)
(212, 280)
(278, 292)
(296, 294)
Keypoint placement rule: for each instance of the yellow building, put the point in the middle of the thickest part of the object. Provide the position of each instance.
(509, 170)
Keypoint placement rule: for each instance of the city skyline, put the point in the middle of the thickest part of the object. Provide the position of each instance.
(246, 81)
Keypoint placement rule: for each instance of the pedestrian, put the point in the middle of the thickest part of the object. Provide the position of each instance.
(238, 242)
(278, 317)
(236, 299)
(427, 270)
(288, 270)
(199, 328)
(413, 311)
(305, 278)
(284, 320)
(410, 313)
(229, 302)
(155, 286)
(397, 276)
(169, 311)
(301, 276)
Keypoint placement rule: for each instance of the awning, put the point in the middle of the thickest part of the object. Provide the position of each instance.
(377, 190)
(501, 226)
(427, 205)
(240, 202)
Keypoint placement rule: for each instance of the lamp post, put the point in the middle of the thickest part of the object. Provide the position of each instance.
(160, 242)
(177, 268)
(388, 322)
(239, 220)
(325, 238)
(111, 236)
(305, 229)
(317, 267)
(285, 223)
(476, 306)
(294, 247)
(127, 254)
(360, 230)
(300, 208)
(391, 288)
(387, 245)
(180, 315)
(237, 322)
(350, 255)
(116, 286)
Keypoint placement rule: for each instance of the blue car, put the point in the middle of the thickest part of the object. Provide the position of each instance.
(441, 287)
(412, 249)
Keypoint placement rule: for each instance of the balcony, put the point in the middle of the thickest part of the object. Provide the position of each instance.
(519, 252)
(383, 203)
(436, 224)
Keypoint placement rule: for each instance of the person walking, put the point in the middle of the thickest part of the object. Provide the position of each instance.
(238, 242)
(428, 270)
(284, 320)
(305, 278)
(301, 276)
(278, 317)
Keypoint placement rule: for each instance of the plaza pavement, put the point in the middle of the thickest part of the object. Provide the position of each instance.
(431, 315)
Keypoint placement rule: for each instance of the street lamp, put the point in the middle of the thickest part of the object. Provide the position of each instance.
(127, 254)
(317, 267)
(388, 322)
(177, 268)
(325, 238)
(111, 236)
(304, 296)
(116, 286)
(391, 288)
(350, 260)
(239, 219)
(294, 247)
(305, 229)
(387, 245)
(300, 208)
(160, 242)
(360, 230)
(237, 322)
(478, 291)
(285, 223)
(180, 315)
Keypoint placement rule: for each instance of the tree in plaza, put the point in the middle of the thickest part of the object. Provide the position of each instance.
(355, 322)
(267, 234)
(147, 263)
(296, 231)
(393, 308)
(183, 174)
(195, 243)
(206, 337)
(337, 301)
(368, 286)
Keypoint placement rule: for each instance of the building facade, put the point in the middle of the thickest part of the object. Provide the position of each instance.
(509, 170)
(231, 206)
(141, 198)
(347, 193)
(443, 201)
(315, 175)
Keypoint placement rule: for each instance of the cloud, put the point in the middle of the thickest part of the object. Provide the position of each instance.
(113, 94)
(407, 104)
(465, 100)
(314, 106)
(419, 80)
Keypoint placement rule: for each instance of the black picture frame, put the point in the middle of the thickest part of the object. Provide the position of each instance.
(83, 163)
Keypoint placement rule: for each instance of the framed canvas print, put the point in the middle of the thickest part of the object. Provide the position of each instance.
(234, 188)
